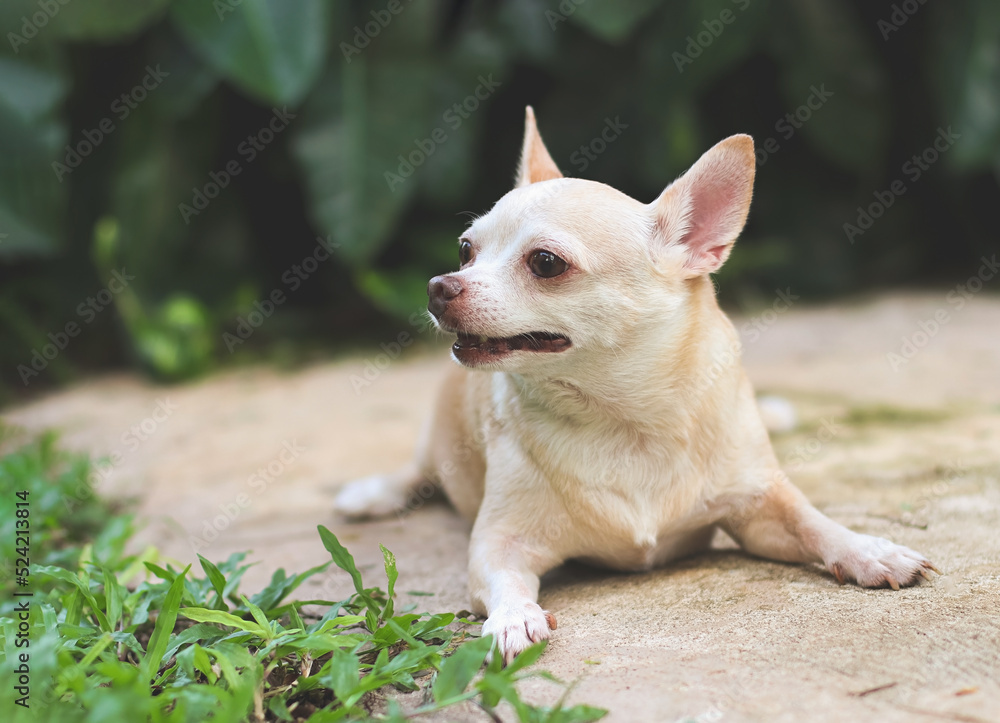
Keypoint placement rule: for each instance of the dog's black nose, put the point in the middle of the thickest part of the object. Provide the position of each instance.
(441, 290)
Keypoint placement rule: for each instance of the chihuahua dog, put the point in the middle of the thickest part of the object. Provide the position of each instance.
(599, 411)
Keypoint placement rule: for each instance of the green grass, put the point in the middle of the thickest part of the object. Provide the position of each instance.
(890, 415)
(121, 637)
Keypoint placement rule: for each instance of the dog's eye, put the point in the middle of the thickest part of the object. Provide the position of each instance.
(546, 264)
(464, 252)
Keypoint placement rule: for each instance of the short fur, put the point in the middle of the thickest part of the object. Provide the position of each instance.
(631, 446)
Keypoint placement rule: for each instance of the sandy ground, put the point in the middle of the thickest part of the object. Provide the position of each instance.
(251, 459)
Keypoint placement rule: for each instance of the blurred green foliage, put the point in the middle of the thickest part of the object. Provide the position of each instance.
(217, 150)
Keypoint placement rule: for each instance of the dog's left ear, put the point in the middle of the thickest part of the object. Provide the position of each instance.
(705, 209)
(536, 163)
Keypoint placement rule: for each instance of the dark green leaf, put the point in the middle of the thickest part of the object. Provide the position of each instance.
(825, 50)
(32, 137)
(271, 49)
(966, 72)
(350, 142)
(398, 292)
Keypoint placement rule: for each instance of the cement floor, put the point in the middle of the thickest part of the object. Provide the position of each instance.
(907, 448)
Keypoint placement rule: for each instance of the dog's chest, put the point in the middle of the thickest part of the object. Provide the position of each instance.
(625, 495)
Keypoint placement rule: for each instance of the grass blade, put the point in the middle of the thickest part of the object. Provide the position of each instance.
(295, 619)
(204, 615)
(66, 576)
(259, 616)
(391, 575)
(345, 561)
(217, 579)
(342, 558)
(164, 627)
(113, 598)
(459, 670)
(526, 658)
(160, 572)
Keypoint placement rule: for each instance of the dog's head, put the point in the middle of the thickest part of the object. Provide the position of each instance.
(562, 268)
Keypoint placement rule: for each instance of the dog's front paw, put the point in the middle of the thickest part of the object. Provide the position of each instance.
(517, 627)
(370, 497)
(875, 562)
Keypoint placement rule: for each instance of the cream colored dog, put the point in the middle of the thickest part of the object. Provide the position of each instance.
(600, 411)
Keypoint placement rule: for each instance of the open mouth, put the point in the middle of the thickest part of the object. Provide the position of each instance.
(474, 349)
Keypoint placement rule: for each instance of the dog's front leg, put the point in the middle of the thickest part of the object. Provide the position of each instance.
(781, 524)
(510, 549)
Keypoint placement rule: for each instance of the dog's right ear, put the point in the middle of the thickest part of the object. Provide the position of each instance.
(536, 163)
